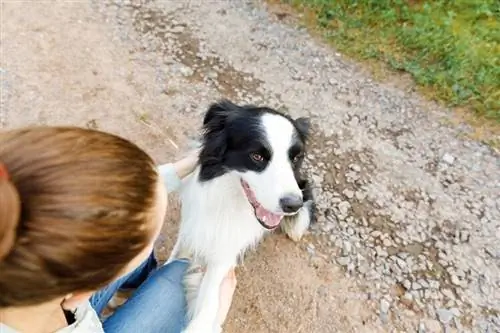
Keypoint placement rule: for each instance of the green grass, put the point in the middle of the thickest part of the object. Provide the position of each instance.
(451, 48)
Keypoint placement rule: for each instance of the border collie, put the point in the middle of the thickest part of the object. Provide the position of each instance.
(248, 183)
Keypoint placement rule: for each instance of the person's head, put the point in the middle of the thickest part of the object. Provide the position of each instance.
(78, 209)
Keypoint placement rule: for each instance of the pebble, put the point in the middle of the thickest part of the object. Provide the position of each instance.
(343, 261)
(360, 195)
(444, 315)
(421, 328)
(431, 326)
(348, 193)
(455, 280)
(344, 207)
(448, 293)
(346, 247)
(384, 310)
(186, 71)
(448, 159)
(355, 167)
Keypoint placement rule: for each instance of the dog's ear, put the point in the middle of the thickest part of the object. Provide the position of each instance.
(215, 139)
(218, 112)
(303, 125)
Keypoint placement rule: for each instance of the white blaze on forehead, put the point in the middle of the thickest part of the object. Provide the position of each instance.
(277, 180)
(279, 133)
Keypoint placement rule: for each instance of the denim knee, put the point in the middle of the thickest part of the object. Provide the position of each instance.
(158, 305)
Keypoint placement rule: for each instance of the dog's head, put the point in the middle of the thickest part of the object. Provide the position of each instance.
(264, 148)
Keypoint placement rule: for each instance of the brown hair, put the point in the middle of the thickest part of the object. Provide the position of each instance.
(76, 209)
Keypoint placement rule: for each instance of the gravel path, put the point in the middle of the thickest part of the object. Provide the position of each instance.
(407, 239)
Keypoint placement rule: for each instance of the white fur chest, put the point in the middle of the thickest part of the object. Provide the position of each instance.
(218, 222)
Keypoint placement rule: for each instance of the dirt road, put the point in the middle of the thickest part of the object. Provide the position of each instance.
(409, 223)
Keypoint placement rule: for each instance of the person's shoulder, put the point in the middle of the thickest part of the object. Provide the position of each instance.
(87, 321)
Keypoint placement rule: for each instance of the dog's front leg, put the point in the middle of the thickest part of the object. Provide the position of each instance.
(204, 318)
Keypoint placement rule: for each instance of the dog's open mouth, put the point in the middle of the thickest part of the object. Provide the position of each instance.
(267, 219)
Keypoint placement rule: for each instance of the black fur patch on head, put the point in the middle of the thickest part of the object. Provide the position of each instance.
(234, 139)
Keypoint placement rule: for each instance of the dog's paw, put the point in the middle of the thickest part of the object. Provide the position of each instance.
(296, 226)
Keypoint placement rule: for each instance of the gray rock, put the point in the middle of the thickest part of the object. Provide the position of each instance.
(343, 261)
(421, 328)
(186, 71)
(384, 310)
(448, 159)
(346, 247)
(448, 293)
(455, 279)
(348, 193)
(355, 167)
(360, 195)
(444, 315)
(344, 207)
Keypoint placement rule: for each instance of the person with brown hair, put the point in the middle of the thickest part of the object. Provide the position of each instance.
(79, 214)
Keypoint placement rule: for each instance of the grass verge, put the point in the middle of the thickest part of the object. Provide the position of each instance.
(450, 48)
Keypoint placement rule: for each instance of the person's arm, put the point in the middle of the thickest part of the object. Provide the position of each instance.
(172, 173)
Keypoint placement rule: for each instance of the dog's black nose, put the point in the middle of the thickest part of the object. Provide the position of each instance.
(291, 203)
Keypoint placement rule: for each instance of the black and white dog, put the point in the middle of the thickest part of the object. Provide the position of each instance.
(247, 183)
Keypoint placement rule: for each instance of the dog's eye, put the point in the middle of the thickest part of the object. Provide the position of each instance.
(257, 157)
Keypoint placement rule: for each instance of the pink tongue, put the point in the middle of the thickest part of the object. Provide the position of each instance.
(270, 219)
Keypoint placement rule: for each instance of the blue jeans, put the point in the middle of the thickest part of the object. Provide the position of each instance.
(157, 306)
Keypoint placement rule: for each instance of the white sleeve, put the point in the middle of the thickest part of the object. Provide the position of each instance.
(170, 178)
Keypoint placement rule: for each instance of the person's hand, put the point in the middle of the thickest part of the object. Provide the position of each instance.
(187, 164)
(227, 288)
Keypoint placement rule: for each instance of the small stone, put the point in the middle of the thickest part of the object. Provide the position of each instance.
(384, 310)
(346, 247)
(348, 193)
(421, 328)
(363, 268)
(401, 264)
(455, 312)
(186, 71)
(431, 326)
(416, 286)
(448, 293)
(360, 195)
(177, 29)
(448, 159)
(492, 252)
(407, 284)
(455, 280)
(311, 250)
(381, 252)
(343, 261)
(212, 75)
(407, 297)
(444, 315)
(355, 167)
(344, 207)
